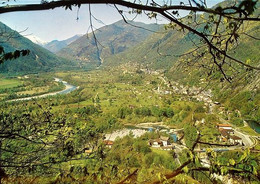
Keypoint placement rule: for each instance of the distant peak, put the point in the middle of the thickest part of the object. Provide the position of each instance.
(36, 39)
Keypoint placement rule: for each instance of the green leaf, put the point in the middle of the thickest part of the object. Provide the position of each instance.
(248, 61)
(8, 55)
(25, 52)
(223, 170)
(232, 161)
(255, 171)
(139, 11)
(16, 54)
(197, 162)
(186, 169)
(174, 12)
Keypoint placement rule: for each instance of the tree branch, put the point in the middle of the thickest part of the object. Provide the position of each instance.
(55, 4)
(230, 12)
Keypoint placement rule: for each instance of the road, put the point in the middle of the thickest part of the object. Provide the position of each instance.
(249, 141)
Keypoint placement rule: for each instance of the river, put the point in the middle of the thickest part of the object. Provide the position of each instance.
(254, 125)
(68, 88)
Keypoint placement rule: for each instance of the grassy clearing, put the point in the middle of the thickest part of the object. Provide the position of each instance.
(35, 90)
(248, 130)
(9, 83)
(163, 153)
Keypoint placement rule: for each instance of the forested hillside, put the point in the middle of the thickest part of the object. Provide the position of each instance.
(39, 59)
(110, 40)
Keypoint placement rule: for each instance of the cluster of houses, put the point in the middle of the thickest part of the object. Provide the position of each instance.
(161, 143)
(227, 135)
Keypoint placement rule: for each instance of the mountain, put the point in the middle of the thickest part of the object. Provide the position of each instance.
(36, 40)
(38, 60)
(56, 45)
(111, 39)
(162, 50)
(159, 51)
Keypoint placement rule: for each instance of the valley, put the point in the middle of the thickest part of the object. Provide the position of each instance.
(131, 102)
(129, 105)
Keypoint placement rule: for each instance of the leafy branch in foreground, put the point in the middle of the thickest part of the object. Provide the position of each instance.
(245, 166)
(4, 56)
(33, 139)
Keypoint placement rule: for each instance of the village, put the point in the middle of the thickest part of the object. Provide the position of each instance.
(172, 139)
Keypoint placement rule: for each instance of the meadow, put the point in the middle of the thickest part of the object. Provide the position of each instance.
(26, 86)
(9, 83)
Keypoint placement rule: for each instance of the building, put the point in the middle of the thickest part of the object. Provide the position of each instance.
(168, 148)
(224, 126)
(165, 141)
(235, 140)
(162, 143)
(155, 143)
(108, 143)
(225, 134)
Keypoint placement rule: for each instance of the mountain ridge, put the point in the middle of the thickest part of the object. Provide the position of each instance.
(56, 45)
(111, 39)
(39, 59)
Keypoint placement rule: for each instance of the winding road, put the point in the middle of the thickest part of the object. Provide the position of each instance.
(248, 140)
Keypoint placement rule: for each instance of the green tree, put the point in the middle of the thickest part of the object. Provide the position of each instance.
(27, 135)
(123, 112)
(190, 135)
(141, 147)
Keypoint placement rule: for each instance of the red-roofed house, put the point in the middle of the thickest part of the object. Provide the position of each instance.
(224, 126)
(108, 143)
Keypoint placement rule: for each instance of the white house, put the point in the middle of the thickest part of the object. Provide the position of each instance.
(155, 143)
(165, 141)
(235, 140)
(162, 142)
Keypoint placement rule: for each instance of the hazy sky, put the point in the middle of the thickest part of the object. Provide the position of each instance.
(61, 24)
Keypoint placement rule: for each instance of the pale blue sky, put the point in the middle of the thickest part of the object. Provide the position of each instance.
(60, 24)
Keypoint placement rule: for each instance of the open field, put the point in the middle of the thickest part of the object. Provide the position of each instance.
(31, 85)
(9, 83)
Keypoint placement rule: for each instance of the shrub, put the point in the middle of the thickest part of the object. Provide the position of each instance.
(238, 122)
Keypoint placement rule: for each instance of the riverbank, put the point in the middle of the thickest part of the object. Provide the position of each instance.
(124, 132)
(68, 88)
